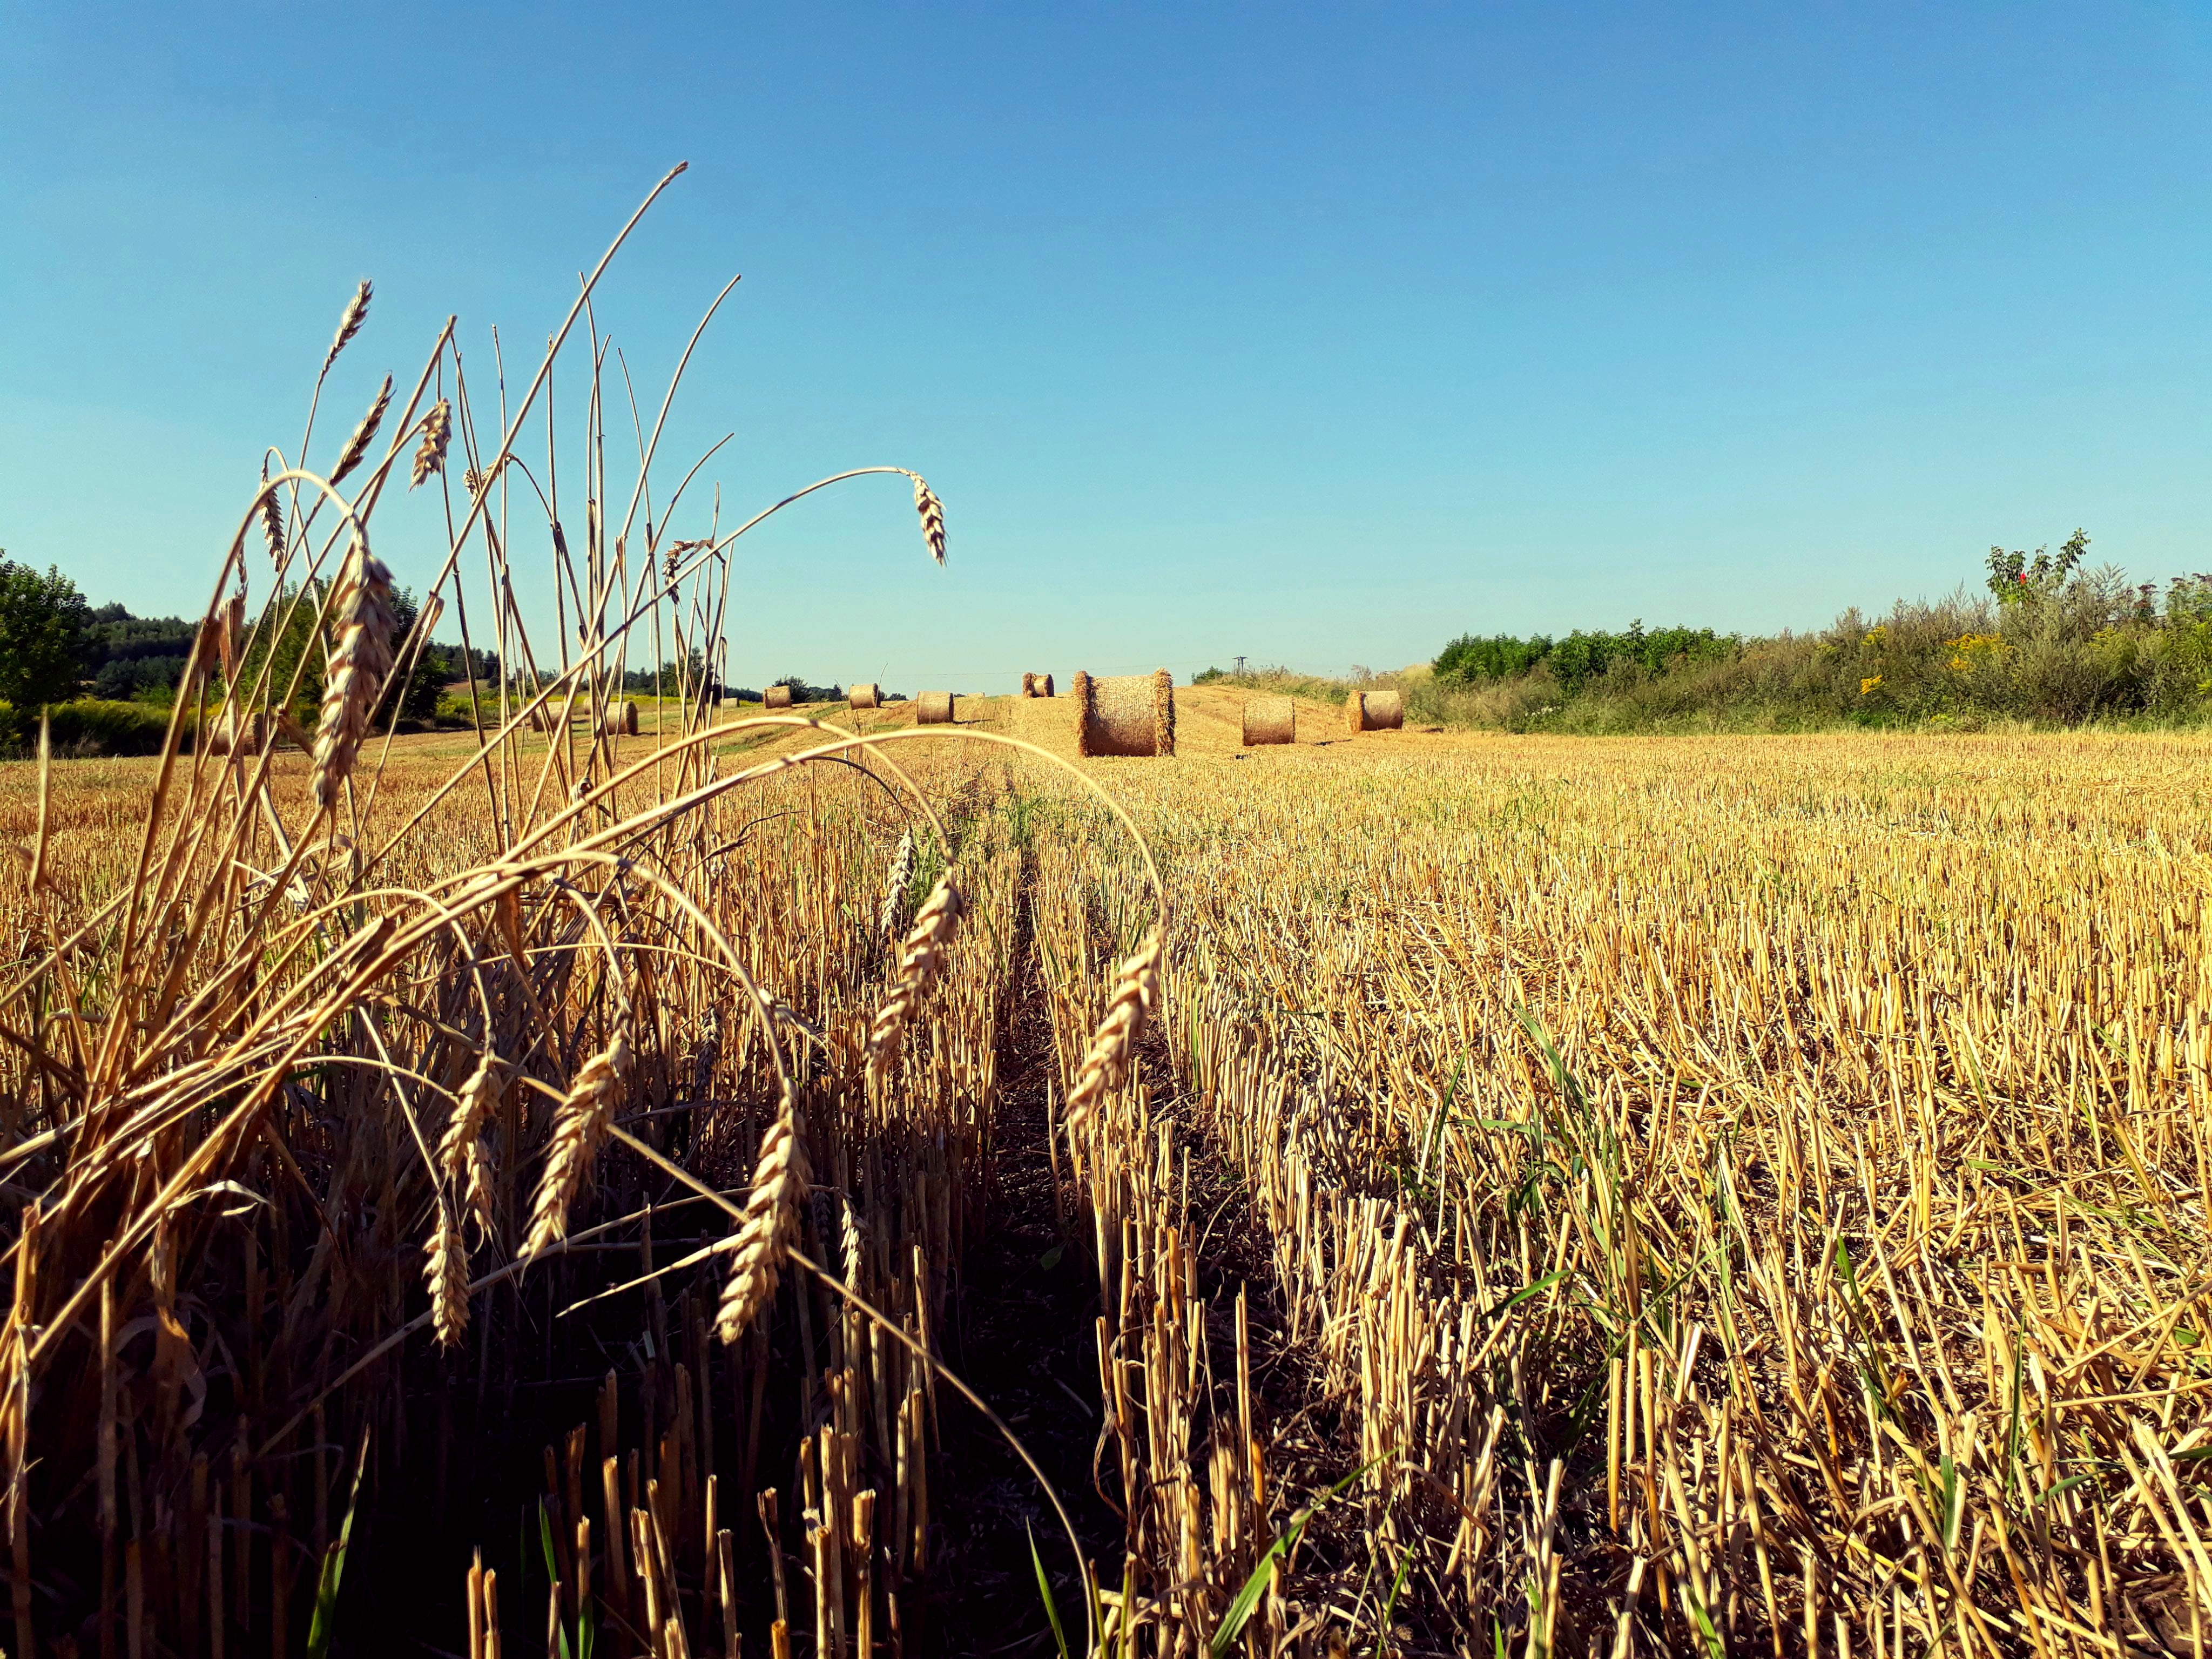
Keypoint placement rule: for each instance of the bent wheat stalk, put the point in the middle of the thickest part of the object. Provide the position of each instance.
(447, 1271)
(358, 666)
(771, 1217)
(579, 1126)
(357, 445)
(1106, 1067)
(920, 959)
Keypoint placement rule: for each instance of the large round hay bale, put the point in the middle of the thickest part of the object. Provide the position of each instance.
(1043, 684)
(1125, 714)
(626, 722)
(1375, 711)
(865, 696)
(1029, 685)
(776, 696)
(1270, 719)
(233, 734)
(934, 708)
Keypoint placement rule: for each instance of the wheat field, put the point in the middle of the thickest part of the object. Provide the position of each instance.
(1578, 1196)
(803, 1183)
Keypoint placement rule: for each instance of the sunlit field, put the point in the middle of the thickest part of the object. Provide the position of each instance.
(1494, 1195)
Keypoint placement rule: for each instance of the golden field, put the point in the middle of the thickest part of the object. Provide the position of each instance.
(1550, 1195)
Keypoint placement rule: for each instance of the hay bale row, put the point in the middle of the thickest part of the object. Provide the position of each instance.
(1125, 714)
(1375, 711)
(1037, 685)
(776, 696)
(865, 696)
(934, 708)
(1270, 719)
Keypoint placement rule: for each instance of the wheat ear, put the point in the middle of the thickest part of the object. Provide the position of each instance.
(272, 520)
(358, 666)
(448, 1270)
(431, 454)
(896, 880)
(349, 321)
(479, 1188)
(1136, 995)
(771, 1216)
(932, 516)
(580, 1124)
(364, 434)
(920, 959)
(467, 1121)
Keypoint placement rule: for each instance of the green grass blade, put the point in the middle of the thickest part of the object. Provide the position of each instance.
(1044, 1589)
(323, 1623)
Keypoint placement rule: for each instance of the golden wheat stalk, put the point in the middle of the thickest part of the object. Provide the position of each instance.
(364, 434)
(921, 958)
(272, 520)
(478, 1198)
(896, 879)
(467, 1122)
(349, 321)
(447, 1267)
(358, 666)
(1136, 995)
(580, 1124)
(431, 454)
(771, 1215)
(932, 516)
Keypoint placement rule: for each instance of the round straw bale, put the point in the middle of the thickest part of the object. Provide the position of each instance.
(864, 696)
(235, 735)
(934, 708)
(1125, 714)
(1043, 683)
(776, 696)
(627, 722)
(1270, 719)
(1375, 711)
(1029, 685)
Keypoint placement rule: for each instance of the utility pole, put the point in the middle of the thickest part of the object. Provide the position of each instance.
(1239, 669)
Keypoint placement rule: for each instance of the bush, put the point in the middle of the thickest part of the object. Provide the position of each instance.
(99, 725)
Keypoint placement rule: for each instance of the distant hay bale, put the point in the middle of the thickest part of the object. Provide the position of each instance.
(1043, 684)
(865, 696)
(1125, 714)
(776, 696)
(232, 735)
(1029, 685)
(934, 708)
(1270, 719)
(1375, 711)
(626, 719)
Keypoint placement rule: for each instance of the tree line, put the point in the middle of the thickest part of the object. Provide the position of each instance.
(2049, 640)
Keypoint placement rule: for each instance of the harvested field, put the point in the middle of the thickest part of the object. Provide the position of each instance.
(1703, 1183)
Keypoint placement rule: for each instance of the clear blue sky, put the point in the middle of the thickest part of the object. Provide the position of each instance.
(1315, 334)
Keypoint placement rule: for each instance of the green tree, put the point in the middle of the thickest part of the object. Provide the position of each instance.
(42, 628)
(2017, 579)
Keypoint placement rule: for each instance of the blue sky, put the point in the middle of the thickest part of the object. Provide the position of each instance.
(1314, 334)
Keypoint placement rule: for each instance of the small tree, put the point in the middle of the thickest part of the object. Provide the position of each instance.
(42, 634)
(2017, 579)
